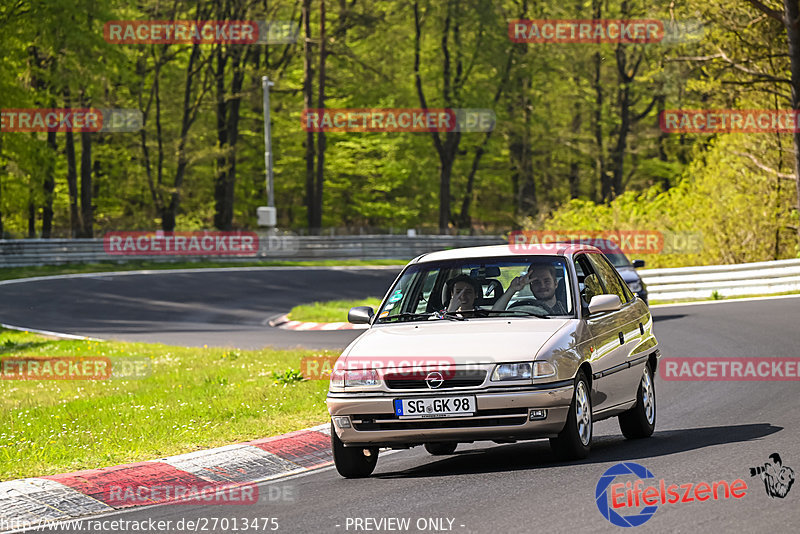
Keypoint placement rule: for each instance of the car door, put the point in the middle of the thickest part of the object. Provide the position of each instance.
(614, 336)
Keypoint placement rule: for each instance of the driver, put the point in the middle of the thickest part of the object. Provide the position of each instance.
(542, 280)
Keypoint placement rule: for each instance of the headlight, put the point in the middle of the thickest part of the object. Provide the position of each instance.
(337, 378)
(354, 377)
(512, 371)
(543, 369)
(635, 286)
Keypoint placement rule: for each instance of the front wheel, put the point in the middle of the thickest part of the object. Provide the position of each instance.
(352, 462)
(640, 421)
(575, 441)
(441, 449)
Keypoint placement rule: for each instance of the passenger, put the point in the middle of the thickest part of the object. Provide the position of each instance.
(463, 291)
(542, 280)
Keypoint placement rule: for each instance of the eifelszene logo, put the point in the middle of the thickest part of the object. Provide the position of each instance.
(778, 478)
(615, 498)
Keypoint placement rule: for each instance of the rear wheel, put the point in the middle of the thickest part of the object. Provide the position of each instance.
(575, 441)
(640, 421)
(441, 449)
(352, 462)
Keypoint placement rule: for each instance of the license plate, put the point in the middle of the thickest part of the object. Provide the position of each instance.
(434, 407)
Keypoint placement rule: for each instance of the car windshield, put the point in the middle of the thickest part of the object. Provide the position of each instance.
(426, 291)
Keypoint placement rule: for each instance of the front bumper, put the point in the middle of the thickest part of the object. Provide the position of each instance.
(499, 415)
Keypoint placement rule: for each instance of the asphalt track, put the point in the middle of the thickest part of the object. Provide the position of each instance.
(706, 431)
(214, 307)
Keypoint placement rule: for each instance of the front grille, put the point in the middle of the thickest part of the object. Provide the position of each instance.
(481, 418)
(459, 379)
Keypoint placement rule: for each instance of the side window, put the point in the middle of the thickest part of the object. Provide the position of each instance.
(588, 282)
(608, 277)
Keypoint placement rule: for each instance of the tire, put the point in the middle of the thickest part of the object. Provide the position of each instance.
(352, 462)
(441, 449)
(575, 441)
(640, 421)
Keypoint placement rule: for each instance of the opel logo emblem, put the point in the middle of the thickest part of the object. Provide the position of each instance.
(434, 380)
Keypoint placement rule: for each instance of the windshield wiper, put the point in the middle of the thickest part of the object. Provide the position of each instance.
(522, 312)
(453, 316)
(405, 315)
(439, 315)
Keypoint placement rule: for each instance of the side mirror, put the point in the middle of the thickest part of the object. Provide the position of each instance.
(364, 314)
(638, 264)
(604, 303)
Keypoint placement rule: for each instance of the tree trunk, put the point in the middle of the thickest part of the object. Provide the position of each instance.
(446, 151)
(2, 172)
(233, 137)
(308, 74)
(227, 109)
(519, 155)
(87, 213)
(222, 218)
(465, 219)
(76, 228)
(600, 164)
(168, 220)
(320, 135)
(618, 156)
(49, 186)
(31, 210)
(574, 166)
(792, 18)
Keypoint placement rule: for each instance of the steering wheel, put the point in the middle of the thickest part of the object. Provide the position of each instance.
(530, 303)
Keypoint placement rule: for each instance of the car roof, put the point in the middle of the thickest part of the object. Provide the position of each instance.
(509, 251)
(604, 245)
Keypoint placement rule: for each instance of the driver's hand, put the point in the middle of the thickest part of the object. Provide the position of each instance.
(455, 301)
(520, 282)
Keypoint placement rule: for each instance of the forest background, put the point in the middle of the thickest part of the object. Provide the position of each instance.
(576, 145)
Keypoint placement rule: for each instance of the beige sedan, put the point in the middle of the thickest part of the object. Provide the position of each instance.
(486, 343)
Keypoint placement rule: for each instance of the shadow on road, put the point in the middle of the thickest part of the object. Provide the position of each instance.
(533, 455)
(658, 318)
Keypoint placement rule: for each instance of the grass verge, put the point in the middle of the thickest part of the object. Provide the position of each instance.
(9, 273)
(194, 398)
(718, 298)
(331, 311)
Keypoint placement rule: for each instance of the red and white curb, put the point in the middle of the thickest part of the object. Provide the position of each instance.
(42, 500)
(284, 323)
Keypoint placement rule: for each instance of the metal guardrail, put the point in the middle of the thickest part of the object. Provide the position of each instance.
(663, 284)
(276, 247)
(767, 277)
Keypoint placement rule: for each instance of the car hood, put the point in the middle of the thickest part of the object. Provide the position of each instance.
(485, 340)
